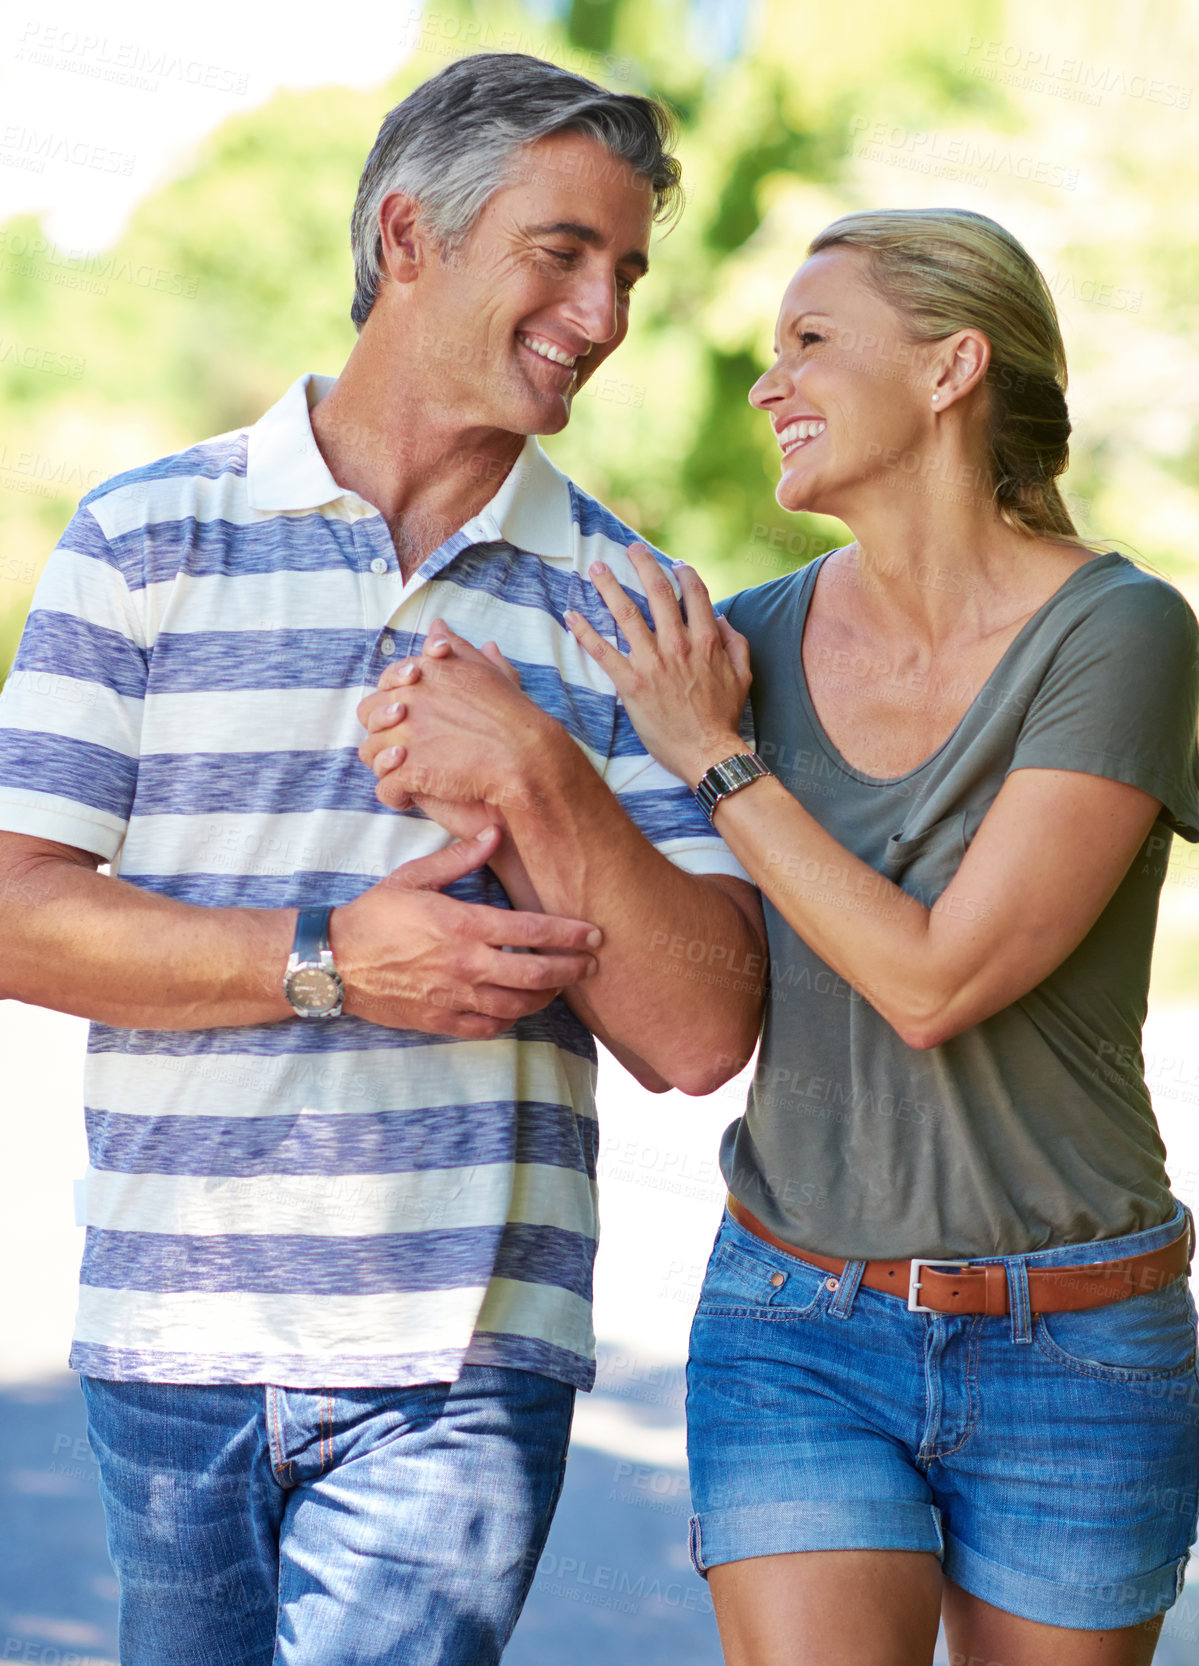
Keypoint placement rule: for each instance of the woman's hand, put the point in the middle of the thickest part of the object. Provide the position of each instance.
(684, 682)
(463, 819)
(452, 725)
(467, 818)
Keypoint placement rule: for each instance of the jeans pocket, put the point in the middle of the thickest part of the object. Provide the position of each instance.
(757, 1282)
(1141, 1339)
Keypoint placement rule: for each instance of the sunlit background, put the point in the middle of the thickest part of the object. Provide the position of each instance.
(175, 188)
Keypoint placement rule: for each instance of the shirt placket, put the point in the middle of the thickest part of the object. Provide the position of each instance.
(383, 596)
(393, 610)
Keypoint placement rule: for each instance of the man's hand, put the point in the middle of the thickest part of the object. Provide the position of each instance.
(452, 732)
(412, 959)
(454, 727)
(465, 818)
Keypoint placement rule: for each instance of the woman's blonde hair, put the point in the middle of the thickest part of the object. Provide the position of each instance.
(946, 269)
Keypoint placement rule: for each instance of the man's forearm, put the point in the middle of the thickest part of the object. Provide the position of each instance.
(409, 957)
(681, 974)
(81, 942)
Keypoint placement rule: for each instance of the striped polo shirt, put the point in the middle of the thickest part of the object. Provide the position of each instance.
(313, 1203)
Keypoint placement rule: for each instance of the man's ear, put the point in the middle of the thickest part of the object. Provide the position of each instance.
(402, 236)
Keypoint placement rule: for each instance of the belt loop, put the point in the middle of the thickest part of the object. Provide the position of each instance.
(851, 1278)
(1018, 1299)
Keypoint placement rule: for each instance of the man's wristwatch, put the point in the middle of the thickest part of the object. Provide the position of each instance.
(725, 779)
(311, 982)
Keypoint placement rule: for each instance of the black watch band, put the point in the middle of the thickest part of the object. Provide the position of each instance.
(725, 779)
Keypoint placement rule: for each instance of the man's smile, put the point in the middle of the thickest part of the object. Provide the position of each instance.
(547, 349)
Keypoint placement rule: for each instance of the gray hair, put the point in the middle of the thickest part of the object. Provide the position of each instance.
(450, 144)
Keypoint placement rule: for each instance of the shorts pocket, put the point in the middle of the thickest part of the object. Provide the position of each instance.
(1141, 1339)
(757, 1282)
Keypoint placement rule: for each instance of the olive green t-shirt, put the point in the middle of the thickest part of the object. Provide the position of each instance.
(1034, 1127)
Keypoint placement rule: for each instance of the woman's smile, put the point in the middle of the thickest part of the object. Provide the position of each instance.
(798, 432)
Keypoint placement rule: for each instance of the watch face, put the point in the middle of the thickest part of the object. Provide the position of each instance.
(311, 990)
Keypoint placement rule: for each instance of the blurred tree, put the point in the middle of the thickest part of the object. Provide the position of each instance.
(592, 23)
(232, 279)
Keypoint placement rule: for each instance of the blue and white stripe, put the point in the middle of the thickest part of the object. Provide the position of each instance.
(313, 1204)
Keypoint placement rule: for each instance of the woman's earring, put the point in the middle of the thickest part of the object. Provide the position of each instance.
(936, 396)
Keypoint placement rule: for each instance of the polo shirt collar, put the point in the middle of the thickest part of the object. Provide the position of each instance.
(532, 510)
(285, 471)
(284, 466)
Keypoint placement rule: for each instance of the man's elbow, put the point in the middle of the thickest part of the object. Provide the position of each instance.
(701, 1073)
(702, 1064)
(648, 1078)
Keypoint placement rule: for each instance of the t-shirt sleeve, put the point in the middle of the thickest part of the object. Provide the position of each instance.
(71, 709)
(665, 809)
(1121, 697)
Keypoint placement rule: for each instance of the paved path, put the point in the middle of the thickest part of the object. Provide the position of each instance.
(615, 1583)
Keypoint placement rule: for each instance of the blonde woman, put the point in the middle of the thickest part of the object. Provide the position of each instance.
(944, 1357)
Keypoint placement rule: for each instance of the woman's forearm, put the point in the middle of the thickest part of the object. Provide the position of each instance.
(865, 927)
(1043, 865)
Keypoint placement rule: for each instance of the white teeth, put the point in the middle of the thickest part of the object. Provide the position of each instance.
(807, 429)
(546, 350)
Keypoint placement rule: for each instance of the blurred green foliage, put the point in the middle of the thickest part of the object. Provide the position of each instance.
(233, 278)
(1074, 126)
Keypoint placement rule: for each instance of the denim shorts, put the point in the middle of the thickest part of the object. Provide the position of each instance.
(1050, 1461)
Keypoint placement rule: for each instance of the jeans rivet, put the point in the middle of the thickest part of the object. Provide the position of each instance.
(778, 1278)
(832, 1284)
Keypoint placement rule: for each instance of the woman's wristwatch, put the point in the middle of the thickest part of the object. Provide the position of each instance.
(725, 779)
(311, 982)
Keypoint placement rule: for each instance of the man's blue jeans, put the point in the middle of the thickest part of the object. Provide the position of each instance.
(252, 1525)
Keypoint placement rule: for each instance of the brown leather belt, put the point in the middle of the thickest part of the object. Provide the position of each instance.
(946, 1286)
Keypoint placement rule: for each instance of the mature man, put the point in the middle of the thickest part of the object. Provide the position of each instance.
(341, 1221)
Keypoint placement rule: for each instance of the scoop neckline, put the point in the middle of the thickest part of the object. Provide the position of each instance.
(822, 734)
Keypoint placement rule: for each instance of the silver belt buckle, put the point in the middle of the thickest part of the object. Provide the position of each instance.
(914, 1303)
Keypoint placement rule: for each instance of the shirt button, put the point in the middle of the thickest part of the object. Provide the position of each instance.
(832, 1284)
(387, 647)
(778, 1278)
(378, 565)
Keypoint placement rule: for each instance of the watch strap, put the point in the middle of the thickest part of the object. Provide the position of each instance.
(312, 936)
(312, 952)
(728, 777)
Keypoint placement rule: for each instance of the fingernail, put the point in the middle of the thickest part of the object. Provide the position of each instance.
(598, 567)
(594, 938)
(395, 713)
(389, 758)
(485, 834)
